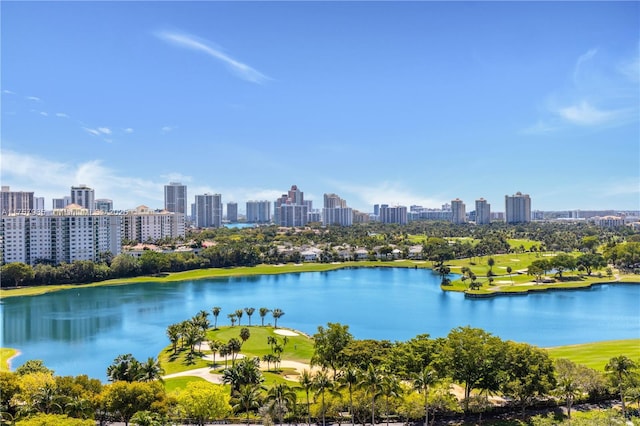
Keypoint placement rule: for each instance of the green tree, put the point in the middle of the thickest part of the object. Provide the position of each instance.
(276, 313)
(216, 311)
(421, 382)
(306, 383)
(239, 313)
(349, 379)
(509, 270)
(563, 262)
(621, 369)
(203, 401)
(153, 262)
(33, 366)
(17, 273)
(124, 265)
(42, 419)
(150, 370)
(173, 333)
(247, 398)
(124, 368)
(124, 399)
(527, 372)
(322, 384)
(372, 381)
(263, 313)
(244, 334)
(473, 357)
(390, 389)
(328, 346)
(249, 312)
(591, 262)
(281, 398)
(214, 346)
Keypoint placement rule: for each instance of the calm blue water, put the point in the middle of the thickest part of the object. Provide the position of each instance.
(81, 331)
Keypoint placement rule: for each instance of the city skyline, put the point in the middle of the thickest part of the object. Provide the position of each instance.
(397, 103)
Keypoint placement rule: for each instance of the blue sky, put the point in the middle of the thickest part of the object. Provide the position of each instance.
(379, 102)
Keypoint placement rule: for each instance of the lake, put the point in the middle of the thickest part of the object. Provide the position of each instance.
(81, 331)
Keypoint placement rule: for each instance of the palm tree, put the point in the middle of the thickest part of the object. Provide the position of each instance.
(150, 370)
(349, 380)
(509, 270)
(244, 334)
(306, 382)
(234, 347)
(282, 397)
(277, 313)
(225, 352)
(249, 312)
(568, 388)
(491, 262)
(215, 346)
(371, 381)
(390, 389)
(322, 383)
(263, 313)
(216, 311)
(173, 333)
(232, 318)
(421, 383)
(621, 367)
(247, 398)
(239, 313)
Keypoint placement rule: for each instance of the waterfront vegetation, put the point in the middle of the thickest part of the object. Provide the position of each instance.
(333, 375)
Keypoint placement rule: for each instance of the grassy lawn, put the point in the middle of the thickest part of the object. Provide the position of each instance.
(5, 355)
(176, 383)
(596, 355)
(298, 348)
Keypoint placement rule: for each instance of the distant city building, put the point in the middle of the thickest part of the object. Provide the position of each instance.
(360, 217)
(336, 212)
(38, 204)
(258, 212)
(397, 214)
(309, 204)
(208, 211)
(104, 205)
(15, 201)
(175, 198)
(314, 216)
(290, 209)
(517, 208)
(458, 213)
(67, 235)
(483, 212)
(376, 209)
(60, 203)
(83, 196)
(608, 221)
(144, 225)
(232, 212)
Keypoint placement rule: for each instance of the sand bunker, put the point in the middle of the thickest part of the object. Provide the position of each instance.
(283, 332)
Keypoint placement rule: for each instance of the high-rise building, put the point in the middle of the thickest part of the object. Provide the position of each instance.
(397, 214)
(336, 212)
(60, 203)
(65, 236)
(104, 205)
(517, 208)
(15, 201)
(458, 213)
(208, 211)
(83, 196)
(258, 211)
(290, 209)
(175, 198)
(144, 224)
(38, 204)
(483, 212)
(232, 212)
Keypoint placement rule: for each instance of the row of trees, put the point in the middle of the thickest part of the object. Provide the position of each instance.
(371, 380)
(252, 246)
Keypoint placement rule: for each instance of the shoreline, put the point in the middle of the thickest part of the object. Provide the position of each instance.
(264, 269)
(542, 289)
(8, 360)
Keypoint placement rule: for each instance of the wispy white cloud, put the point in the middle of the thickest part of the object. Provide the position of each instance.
(128, 130)
(603, 93)
(44, 113)
(34, 98)
(8, 92)
(585, 114)
(91, 131)
(104, 130)
(22, 170)
(176, 177)
(392, 193)
(62, 115)
(167, 129)
(242, 70)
